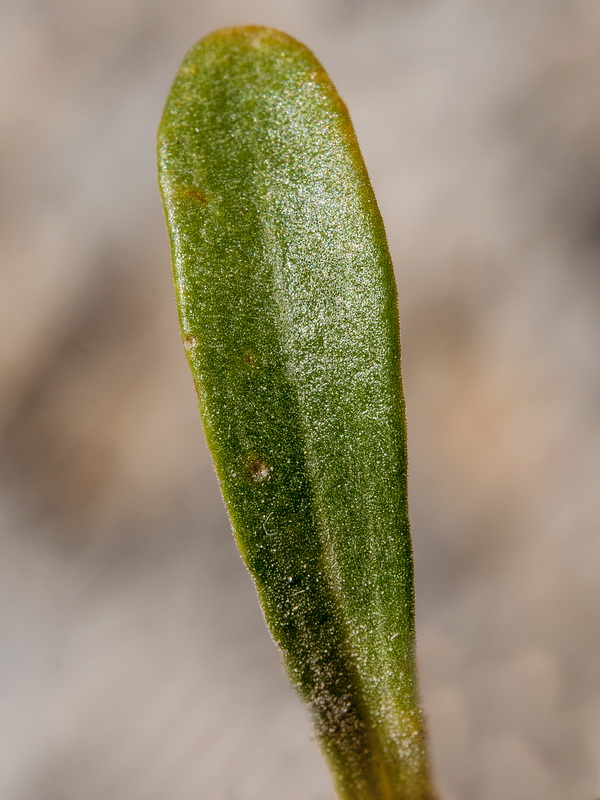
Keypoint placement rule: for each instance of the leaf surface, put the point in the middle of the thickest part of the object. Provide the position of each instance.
(287, 305)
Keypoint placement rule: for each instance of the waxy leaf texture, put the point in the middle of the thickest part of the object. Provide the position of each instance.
(288, 311)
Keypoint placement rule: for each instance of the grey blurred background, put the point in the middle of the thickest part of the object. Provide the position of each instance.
(134, 663)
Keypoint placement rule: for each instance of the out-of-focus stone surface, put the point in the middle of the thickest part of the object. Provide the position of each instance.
(134, 662)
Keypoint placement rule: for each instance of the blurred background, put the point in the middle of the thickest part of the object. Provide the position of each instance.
(134, 662)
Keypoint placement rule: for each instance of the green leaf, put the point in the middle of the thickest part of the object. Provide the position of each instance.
(287, 305)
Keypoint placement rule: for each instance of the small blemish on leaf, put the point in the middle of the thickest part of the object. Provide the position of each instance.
(195, 194)
(248, 358)
(259, 470)
(189, 342)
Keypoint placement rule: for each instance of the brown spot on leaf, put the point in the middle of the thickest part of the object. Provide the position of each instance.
(189, 342)
(195, 194)
(259, 470)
